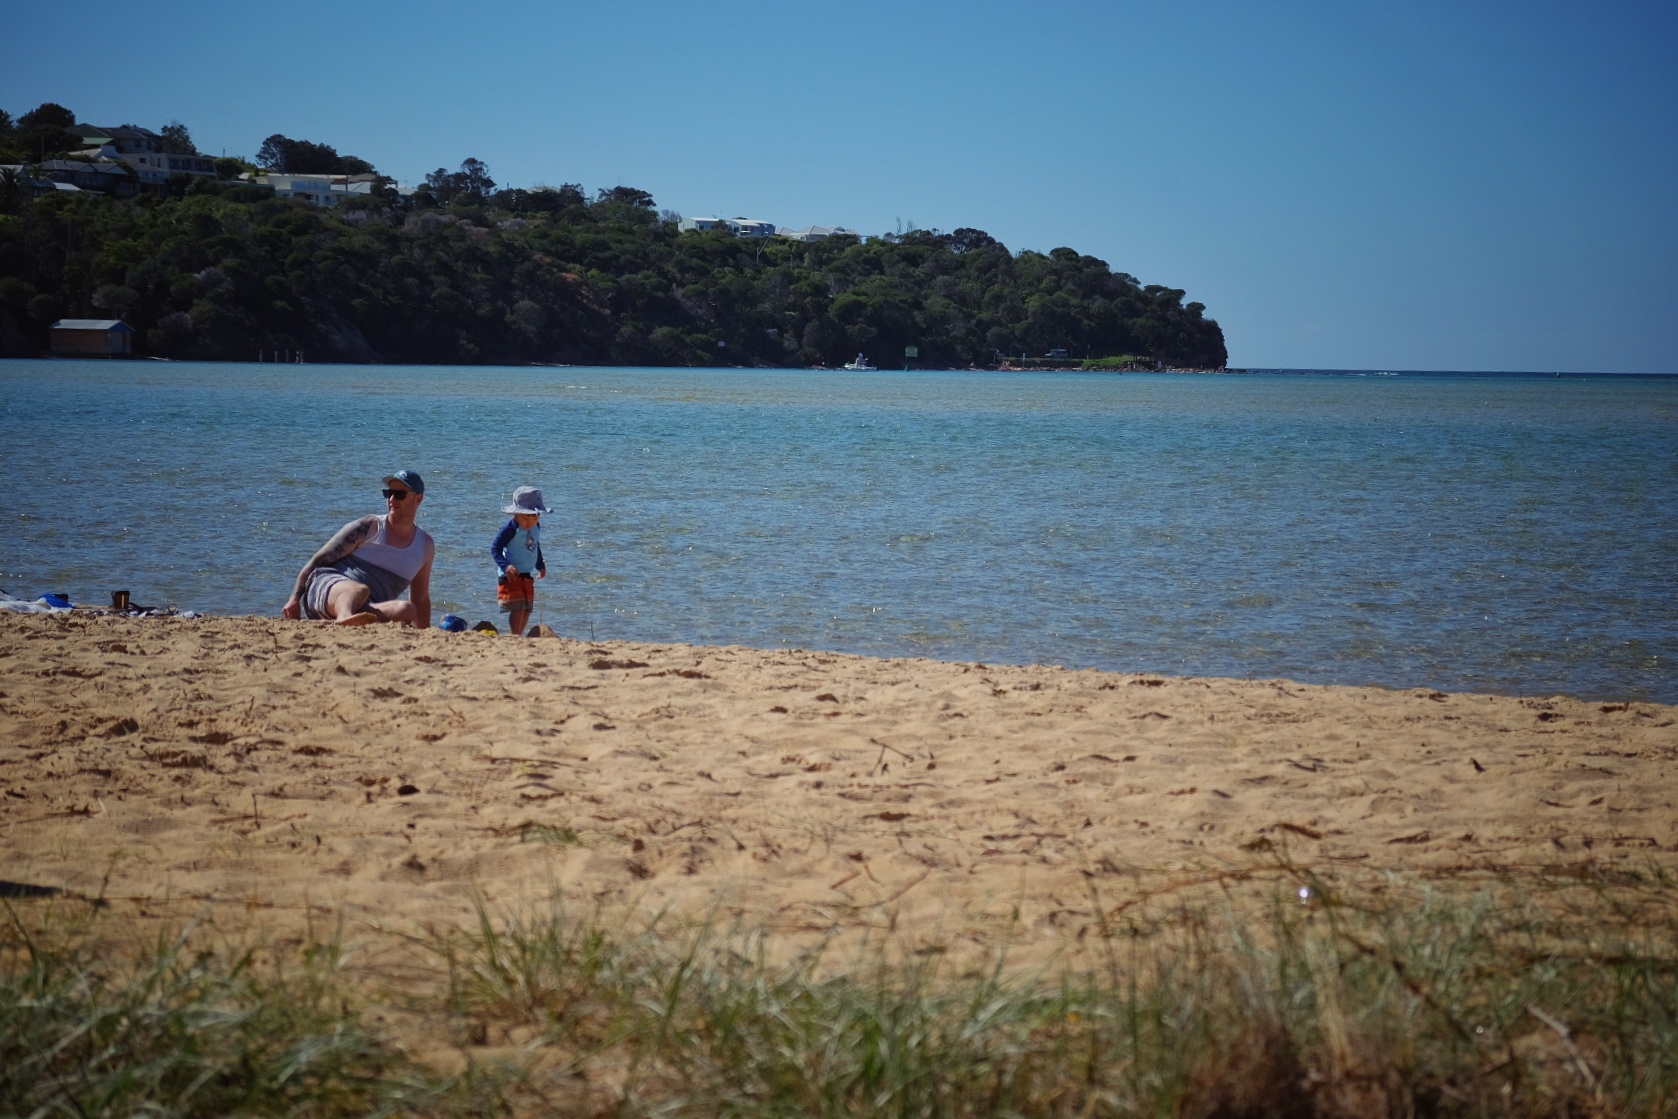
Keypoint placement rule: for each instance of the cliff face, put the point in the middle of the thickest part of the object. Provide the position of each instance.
(221, 274)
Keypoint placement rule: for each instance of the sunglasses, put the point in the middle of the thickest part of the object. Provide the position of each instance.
(400, 495)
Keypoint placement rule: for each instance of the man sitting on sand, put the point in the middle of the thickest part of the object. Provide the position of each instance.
(359, 576)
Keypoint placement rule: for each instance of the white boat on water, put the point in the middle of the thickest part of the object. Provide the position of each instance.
(860, 365)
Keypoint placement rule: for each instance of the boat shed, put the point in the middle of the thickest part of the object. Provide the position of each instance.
(92, 338)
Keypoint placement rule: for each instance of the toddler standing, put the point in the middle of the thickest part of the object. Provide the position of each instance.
(517, 552)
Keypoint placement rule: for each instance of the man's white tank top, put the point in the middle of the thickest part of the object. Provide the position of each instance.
(404, 563)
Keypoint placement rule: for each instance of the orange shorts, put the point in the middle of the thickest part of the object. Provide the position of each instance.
(515, 591)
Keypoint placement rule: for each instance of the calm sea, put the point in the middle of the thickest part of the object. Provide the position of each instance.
(1510, 534)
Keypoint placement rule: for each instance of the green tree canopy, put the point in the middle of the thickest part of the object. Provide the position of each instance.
(44, 132)
(176, 139)
(466, 273)
(47, 113)
(304, 157)
(471, 185)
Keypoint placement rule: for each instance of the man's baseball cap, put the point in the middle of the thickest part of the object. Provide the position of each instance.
(409, 478)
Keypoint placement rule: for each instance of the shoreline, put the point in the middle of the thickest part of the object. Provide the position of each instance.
(1289, 371)
(399, 776)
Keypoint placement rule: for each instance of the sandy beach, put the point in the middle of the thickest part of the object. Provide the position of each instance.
(395, 775)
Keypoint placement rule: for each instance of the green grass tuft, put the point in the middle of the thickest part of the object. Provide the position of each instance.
(1559, 998)
(554, 835)
(179, 1029)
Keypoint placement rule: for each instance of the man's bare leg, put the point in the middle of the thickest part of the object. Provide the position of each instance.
(347, 604)
(400, 611)
(349, 607)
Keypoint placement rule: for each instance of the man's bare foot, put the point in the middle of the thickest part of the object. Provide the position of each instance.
(360, 619)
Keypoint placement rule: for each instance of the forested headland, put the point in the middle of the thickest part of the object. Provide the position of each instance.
(463, 272)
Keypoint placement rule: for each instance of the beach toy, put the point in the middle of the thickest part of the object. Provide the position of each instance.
(452, 623)
(485, 627)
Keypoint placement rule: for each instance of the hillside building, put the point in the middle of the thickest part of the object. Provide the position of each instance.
(742, 227)
(814, 232)
(38, 187)
(141, 150)
(92, 338)
(317, 190)
(104, 176)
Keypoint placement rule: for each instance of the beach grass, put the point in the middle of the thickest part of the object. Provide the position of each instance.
(1550, 995)
(185, 1023)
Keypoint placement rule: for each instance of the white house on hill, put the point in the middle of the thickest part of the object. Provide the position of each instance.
(141, 150)
(317, 190)
(815, 232)
(742, 227)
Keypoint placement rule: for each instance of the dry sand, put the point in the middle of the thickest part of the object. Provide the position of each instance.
(395, 775)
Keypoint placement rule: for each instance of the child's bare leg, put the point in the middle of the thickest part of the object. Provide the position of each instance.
(516, 622)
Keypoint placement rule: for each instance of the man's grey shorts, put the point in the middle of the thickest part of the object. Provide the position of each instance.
(320, 586)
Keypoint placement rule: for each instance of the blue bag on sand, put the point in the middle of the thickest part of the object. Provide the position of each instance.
(452, 623)
(57, 601)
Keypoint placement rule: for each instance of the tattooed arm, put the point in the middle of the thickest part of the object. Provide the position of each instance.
(345, 541)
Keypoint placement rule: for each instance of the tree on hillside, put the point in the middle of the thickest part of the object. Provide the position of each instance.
(11, 189)
(474, 180)
(176, 139)
(540, 199)
(471, 184)
(44, 132)
(232, 166)
(627, 195)
(966, 240)
(47, 113)
(303, 157)
(224, 270)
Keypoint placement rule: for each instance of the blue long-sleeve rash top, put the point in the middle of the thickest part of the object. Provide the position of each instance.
(518, 548)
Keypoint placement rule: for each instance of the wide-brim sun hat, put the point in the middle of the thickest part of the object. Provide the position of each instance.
(526, 499)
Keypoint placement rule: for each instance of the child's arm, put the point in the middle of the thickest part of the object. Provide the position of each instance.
(541, 564)
(498, 550)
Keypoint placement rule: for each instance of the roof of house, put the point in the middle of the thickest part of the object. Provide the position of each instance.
(815, 231)
(124, 132)
(22, 172)
(100, 166)
(91, 324)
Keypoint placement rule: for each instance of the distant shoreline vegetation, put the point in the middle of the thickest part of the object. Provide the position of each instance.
(460, 272)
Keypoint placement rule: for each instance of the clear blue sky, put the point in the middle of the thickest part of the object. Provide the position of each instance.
(1433, 184)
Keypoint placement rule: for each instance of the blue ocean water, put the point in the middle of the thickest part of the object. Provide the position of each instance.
(1511, 534)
